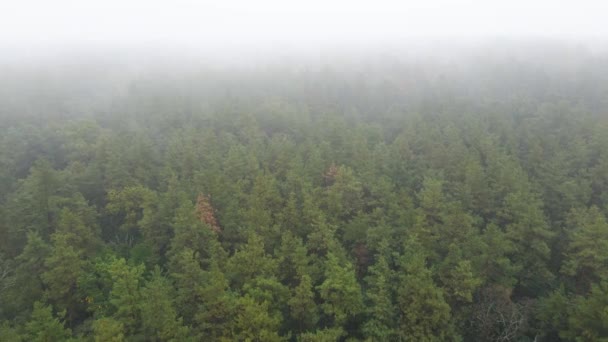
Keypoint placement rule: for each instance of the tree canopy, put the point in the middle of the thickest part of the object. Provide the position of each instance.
(383, 203)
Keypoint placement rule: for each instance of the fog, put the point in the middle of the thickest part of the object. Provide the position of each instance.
(241, 31)
(85, 57)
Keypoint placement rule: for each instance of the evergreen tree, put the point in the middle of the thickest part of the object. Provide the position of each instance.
(158, 317)
(43, 326)
(8, 333)
(28, 284)
(303, 309)
(125, 295)
(215, 316)
(527, 228)
(587, 249)
(340, 293)
(380, 308)
(187, 275)
(588, 320)
(250, 261)
(65, 266)
(108, 329)
(423, 313)
(254, 323)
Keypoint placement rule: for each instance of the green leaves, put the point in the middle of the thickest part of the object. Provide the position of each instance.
(108, 329)
(340, 292)
(587, 249)
(380, 308)
(126, 295)
(43, 326)
(158, 316)
(253, 322)
(526, 226)
(302, 306)
(423, 313)
(588, 320)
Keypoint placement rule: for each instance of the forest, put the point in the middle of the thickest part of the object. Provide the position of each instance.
(383, 199)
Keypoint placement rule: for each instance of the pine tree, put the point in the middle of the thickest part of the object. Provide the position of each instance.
(250, 261)
(44, 327)
(189, 232)
(340, 292)
(380, 308)
(33, 207)
(458, 278)
(293, 259)
(254, 323)
(30, 266)
(108, 330)
(588, 320)
(303, 309)
(343, 198)
(527, 227)
(9, 333)
(587, 249)
(493, 263)
(218, 305)
(188, 277)
(423, 313)
(64, 267)
(158, 317)
(125, 295)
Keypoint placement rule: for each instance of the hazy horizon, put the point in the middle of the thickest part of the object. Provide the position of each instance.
(270, 31)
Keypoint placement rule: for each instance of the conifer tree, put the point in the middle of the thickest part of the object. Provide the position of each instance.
(340, 292)
(43, 326)
(303, 309)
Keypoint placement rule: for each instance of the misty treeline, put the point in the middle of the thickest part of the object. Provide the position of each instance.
(387, 200)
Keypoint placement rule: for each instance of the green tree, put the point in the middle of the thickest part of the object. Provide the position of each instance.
(494, 262)
(33, 207)
(215, 316)
(553, 313)
(380, 308)
(587, 250)
(186, 272)
(340, 293)
(302, 306)
(322, 335)
(458, 277)
(293, 259)
(126, 209)
(107, 329)
(9, 333)
(28, 284)
(588, 320)
(527, 227)
(343, 196)
(158, 317)
(440, 222)
(64, 267)
(190, 233)
(125, 296)
(250, 261)
(254, 323)
(423, 312)
(43, 326)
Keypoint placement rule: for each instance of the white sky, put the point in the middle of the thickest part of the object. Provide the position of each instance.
(231, 22)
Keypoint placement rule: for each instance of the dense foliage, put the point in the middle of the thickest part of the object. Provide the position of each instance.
(393, 202)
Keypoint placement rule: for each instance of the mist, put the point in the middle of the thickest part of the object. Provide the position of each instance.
(233, 35)
(270, 28)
